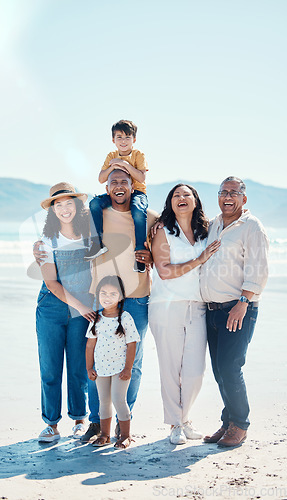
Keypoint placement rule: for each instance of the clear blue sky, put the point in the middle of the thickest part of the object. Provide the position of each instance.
(204, 80)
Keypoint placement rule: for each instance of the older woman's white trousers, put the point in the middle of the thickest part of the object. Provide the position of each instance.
(179, 330)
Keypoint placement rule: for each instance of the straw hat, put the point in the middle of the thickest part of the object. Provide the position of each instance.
(62, 189)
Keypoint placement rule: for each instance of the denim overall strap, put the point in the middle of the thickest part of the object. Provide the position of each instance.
(87, 242)
(74, 274)
(54, 242)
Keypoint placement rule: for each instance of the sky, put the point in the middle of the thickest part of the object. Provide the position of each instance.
(204, 80)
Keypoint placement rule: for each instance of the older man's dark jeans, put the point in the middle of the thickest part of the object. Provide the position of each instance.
(228, 352)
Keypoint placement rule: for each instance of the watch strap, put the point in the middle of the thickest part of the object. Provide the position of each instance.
(242, 298)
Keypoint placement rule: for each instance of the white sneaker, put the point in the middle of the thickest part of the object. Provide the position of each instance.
(49, 435)
(177, 435)
(78, 431)
(190, 432)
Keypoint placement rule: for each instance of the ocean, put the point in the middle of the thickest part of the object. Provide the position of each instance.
(18, 292)
(16, 241)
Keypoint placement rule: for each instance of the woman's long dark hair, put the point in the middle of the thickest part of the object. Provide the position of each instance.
(81, 221)
(117, 282)
(199, 221)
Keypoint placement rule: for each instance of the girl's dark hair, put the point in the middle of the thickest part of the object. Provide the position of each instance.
(81, 221)
(117, 282)
(199, 222)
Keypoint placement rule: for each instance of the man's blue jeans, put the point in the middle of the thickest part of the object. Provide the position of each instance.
(138, 309)
(228, 353)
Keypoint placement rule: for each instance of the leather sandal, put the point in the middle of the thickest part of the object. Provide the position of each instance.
(102, 440)
(123, 443)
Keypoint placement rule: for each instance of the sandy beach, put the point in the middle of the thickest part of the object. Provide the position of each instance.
(151, 467)
(204, 82)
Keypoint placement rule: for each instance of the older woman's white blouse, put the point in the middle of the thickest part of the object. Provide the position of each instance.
(186, 287)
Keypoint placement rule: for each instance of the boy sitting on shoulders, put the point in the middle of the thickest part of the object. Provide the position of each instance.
(132, 161)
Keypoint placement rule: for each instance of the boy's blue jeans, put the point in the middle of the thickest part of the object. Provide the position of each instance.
(139, 205)
(138, 309)
(228, 353)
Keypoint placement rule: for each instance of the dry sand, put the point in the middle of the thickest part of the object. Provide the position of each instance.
(151, 467)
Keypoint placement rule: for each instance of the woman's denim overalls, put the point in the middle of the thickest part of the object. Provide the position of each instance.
(60, 328)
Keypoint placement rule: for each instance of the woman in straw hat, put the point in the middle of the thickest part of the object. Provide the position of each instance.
(64, 308)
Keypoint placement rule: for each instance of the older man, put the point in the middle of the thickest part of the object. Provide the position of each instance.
(231, 283)
(119, 238)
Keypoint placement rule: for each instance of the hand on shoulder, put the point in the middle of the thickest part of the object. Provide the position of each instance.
(156, 227)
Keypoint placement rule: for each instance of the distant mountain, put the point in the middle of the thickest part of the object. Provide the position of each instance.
(19, 199)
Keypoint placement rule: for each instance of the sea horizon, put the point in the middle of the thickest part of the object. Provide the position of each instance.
(17, 238)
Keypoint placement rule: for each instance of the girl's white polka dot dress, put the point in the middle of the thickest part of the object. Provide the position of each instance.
(110, 351)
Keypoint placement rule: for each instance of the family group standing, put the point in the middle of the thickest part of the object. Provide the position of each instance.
(207, 281)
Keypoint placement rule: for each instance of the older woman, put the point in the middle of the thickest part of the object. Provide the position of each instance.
(176, 311)
(64, 308)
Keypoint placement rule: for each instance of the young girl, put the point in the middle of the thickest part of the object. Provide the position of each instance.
(111, 347)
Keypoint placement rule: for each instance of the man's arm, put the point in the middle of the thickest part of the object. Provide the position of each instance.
(237, 313)
(255, 274)
(39, 255)
(256, 261)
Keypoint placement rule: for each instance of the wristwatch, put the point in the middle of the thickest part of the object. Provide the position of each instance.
(244, 299)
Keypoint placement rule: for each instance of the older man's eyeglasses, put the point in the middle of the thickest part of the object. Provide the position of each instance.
(232, 194)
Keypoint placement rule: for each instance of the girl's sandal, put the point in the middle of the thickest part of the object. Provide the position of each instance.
(102, 441)
(123, 443)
